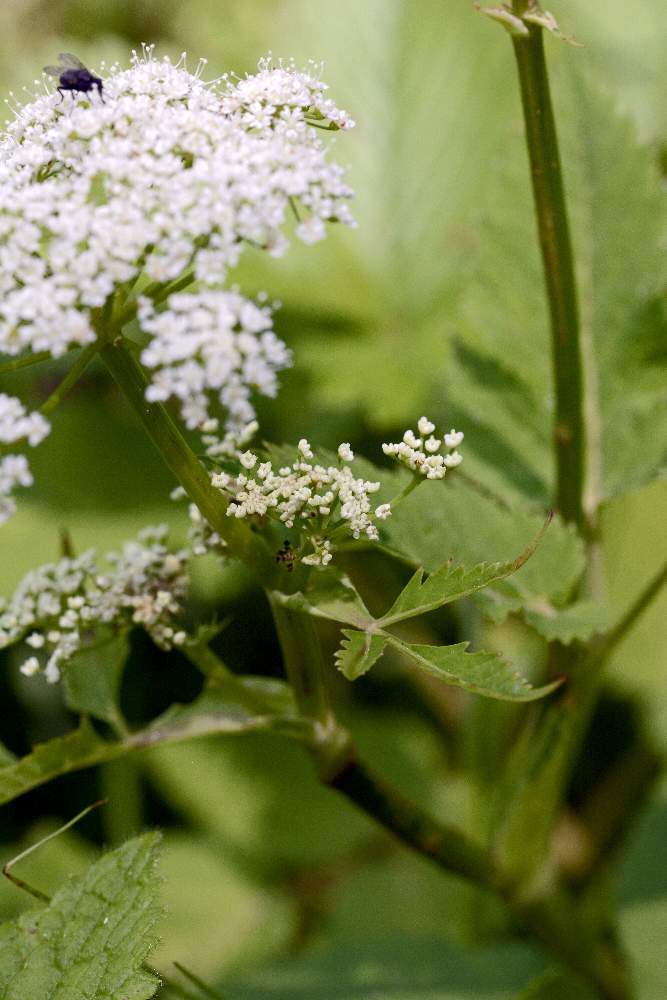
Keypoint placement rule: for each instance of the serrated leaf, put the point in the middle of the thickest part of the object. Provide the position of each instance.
(92, 679)
(455, 520)
(576, 621)
(90, 941)
(450, 583)
(480, 673)
(358, 652)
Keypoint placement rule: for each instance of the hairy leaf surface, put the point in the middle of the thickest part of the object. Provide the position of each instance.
(90, 941)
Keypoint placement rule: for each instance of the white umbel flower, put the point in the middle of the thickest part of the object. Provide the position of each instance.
(58, 607)
(423, 454)
(322, 501)
(211, 343)
(169, 177)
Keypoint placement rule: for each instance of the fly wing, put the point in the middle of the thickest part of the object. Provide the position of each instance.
(69, 61)
(53, 70)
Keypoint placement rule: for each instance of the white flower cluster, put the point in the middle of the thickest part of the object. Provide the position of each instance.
(57, 607)
(284, 98)
(168, 177)
(211, 341)
(422, 454)
(320, 499)
(16, 424)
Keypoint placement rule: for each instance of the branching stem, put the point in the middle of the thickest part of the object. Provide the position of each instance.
(70, 380)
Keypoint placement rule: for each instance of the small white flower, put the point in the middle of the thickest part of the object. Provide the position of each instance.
(248, 460)
(345, 452)
(453, 439)
(305, 448)
(30, 666)
(423, 456)
(424, 426)
(383, 511)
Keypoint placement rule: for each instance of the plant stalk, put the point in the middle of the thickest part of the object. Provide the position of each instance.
(557, 258)
(243, 543)
(70, 379)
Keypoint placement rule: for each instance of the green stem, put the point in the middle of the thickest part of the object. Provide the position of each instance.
(242, 542)
(555, 244)
(199, 983)
(445, 845)
(19, 882)
(207, 661)
(70, 380)
(637, 608)
(304, 666)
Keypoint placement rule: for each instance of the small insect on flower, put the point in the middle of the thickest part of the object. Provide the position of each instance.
(73, 76)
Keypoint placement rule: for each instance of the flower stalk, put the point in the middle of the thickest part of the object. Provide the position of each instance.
(181, 460)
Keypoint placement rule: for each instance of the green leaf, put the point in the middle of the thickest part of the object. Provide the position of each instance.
(92, 680)
(80, 748)
(261, 799)
(89, 943)
(330, 595)
(450, 583)
(358, 652)
(456, 521)
(228, 706)
(480, 673)
(225, 707)
(576, 621)
(6, 756)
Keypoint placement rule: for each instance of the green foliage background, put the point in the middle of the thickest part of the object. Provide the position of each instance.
(434, 305)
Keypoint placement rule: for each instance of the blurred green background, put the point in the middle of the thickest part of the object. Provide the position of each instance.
(261, 865)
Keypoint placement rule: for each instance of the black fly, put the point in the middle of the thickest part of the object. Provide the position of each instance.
(72, 75)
